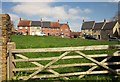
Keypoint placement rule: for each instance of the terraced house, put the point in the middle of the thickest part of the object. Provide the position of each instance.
(49, 28)
(101, 30)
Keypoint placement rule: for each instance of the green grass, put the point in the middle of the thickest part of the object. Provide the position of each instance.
(45, 42)
(23, 42)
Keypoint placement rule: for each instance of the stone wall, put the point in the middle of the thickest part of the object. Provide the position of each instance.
(5, 31)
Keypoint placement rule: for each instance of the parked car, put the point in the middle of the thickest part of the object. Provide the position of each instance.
(114, 39)
(89, 37)
(41, 34)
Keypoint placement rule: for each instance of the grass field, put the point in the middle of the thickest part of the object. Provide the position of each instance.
(50, 42)
(45, 42)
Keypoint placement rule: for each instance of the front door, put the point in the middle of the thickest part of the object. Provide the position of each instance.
(98, 36)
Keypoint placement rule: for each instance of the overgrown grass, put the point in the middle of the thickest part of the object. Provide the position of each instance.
(50, 42)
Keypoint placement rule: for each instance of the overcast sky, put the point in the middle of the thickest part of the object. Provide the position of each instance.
(50, 10)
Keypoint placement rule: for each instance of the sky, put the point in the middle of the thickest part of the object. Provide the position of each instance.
(72, 12)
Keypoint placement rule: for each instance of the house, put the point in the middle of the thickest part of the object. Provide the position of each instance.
(35, 28)
(97, 30)
(101, 30)
(64, 30)
(29, 27)
(87, 27)
(51, 28)
(110, 29)
(24, 27)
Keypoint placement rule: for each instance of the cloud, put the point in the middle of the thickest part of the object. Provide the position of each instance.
(45, 9)
(51, 13)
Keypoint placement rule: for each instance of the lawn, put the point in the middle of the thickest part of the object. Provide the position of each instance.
(50, 42)
(45, 42)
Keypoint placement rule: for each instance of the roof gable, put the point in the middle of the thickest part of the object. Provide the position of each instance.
(109, 25)
(98, 26)
(87, 25)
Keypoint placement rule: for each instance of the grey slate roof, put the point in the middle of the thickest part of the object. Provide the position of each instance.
(98, 26)
(36, 23)
(46, 24)
(109, 25)
(87, 25)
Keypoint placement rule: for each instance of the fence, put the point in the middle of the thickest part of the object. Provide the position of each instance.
(36, 71)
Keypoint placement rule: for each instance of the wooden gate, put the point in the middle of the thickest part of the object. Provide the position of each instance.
(50, 66)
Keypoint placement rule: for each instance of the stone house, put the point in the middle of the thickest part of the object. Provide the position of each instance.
(87, 27)
(97, 30)
(101, 30)
(110, 29)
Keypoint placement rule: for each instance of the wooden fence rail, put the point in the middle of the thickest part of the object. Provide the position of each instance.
(64, 56)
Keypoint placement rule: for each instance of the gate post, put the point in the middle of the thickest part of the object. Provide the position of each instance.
(5, 30)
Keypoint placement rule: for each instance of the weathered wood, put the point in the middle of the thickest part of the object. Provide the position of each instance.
(68, 74)
(98, 63)
(40, 65)
(66, 65)
(94, 67)
(10, 64)
(66, 57)
(98, 47)
(50, 63)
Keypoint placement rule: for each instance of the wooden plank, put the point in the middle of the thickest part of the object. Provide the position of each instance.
(68, 74)
(96, 47)
(98, 63)
(65, 65)
(40, 65)
(46, 66)
(66, 57)
(94, 67)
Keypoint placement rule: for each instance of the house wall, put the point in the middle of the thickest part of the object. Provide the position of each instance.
(35, 30)
(116, 30)
(89, 32)
(65, 30)
(51, 31)
(105, 34)
(24, 29)
(96, 34)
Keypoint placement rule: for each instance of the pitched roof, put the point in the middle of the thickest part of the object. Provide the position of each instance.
(55, 24)
(45, 24)
(98, 26)
(109, 25)
(36, 23)
(87, 25)
(24, 23)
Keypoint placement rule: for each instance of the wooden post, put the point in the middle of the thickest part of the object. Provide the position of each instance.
(5, 30)
(10, 64)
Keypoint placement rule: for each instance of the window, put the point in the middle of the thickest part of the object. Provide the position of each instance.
(57, 28)
(66, 30)
(26, 27)
(38, 28)
(57, 34)
(20, 27)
